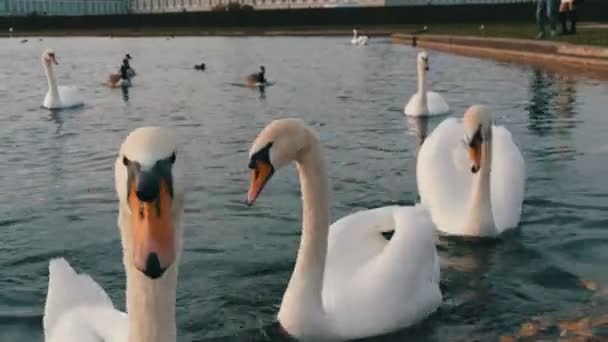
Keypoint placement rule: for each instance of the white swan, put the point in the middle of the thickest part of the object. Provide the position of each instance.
(352, 283)
(58, 96)
(425, 102)
(480, 195)
(358, 40)
(150, 186)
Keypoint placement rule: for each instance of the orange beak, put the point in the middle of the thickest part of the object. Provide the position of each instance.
(53, 59)
(475, 156)
(153, 233)
(260, 175)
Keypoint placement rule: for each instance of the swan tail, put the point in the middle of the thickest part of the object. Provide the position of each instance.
(68, 290)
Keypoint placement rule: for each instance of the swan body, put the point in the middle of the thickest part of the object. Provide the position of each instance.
(348, 281)
(424, 102)
(149, 184)
(358, 40)
(481, 195)
(58, 97)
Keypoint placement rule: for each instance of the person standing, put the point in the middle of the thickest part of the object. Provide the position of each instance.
(567, 10)
(546, 10)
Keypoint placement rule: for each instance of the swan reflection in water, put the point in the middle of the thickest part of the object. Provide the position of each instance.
(418, 127)
(56, 118)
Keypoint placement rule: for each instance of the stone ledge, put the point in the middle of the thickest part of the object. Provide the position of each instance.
(553, 55)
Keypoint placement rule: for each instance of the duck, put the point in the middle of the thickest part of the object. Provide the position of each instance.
(200, 66)
(58, 97)
(358, 40)
(130, 71)
(150, 185)
(257, 78)
(348, 281)
(471, 175)
(424, 102)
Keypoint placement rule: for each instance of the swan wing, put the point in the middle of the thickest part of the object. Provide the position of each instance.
(70, 96)
(373, 286)
(508, 179)
(436, 104)
(443, 175)
(78, 309)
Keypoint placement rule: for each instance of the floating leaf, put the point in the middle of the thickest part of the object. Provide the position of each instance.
(590, 285)
(529, 329)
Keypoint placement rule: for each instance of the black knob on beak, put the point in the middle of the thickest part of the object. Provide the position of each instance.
(148, 186)
(153, 269)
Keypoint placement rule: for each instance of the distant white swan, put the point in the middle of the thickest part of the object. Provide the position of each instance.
(425, 102)
(471, 176)
(348, 281)
(58, 97)
(150, 186)
(358, 40)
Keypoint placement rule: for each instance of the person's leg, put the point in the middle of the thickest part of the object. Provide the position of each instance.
(552, 14)
(573, 18)
(563, 17)
(541, 13)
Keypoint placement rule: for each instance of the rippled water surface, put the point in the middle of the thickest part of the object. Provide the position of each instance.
(57, 196)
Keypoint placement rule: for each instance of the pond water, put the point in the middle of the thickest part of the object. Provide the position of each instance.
(58, 199)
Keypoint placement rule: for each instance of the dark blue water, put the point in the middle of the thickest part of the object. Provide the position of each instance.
(57, 189)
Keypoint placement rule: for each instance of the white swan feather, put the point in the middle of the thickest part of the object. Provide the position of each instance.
(425, 102)
(445, 180)
(348, 282)
(58, 97)
(78, 309)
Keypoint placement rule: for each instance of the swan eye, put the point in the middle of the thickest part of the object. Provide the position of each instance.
(125, 161)
(262, 154)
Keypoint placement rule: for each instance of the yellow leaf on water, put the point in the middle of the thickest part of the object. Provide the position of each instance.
(528, 329)
(507, 339)
(582, 327)
(590, 285)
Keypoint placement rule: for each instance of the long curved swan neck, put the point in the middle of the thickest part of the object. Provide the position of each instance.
(422, 82)
(52, 82)
(302, 306)
(151, 306)
(150, 303)
(481, 218)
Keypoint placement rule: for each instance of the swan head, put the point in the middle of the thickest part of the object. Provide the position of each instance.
(150, 187)
(423, 61)
(48, 57)
(477, 124)
(277, 145)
